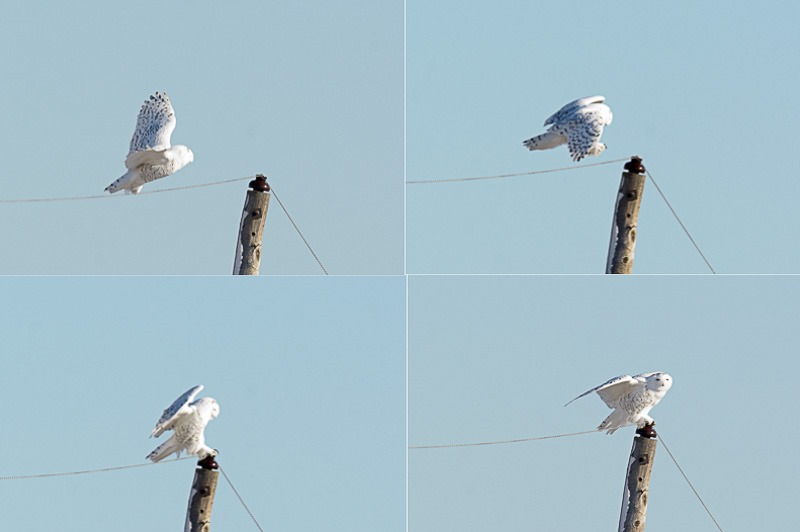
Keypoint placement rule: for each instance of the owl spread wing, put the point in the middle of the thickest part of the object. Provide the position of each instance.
(612, 390)
(585, 131)
(175, 410)
(155, 124)
(571, 107)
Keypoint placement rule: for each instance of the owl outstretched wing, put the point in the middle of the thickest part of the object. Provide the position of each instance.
(176, 409)
(584, 131)
(571, 107)
(155, 124)
(613, 389)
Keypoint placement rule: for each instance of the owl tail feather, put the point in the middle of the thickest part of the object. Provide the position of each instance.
(615, 420)
(165, 449)
(545, 141)
(120, 183)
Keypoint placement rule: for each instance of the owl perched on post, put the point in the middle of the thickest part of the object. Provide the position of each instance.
(150, 156)
(187, 420)
(579, 125)
(631, 399)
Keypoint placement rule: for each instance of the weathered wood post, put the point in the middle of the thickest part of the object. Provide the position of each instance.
(637, 481)
(626, 215)
(201, 498)
(251, 228)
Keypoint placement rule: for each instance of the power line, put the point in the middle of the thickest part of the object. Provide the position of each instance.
(675, 214)
(567, 168)
(228, 480)
(520, 440)
(689, 482)
(91, 471)
(172, 189)
(298, 231)
(112, 196)
(132, 466)
(563, 169)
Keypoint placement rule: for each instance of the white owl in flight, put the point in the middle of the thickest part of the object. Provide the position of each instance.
(150, 156)
(631, 398)
(579, 125)
(187, 419)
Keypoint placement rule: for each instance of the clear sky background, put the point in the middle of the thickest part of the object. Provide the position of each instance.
(309, 93)
(701, 90)
(496, 358)
(309, 374)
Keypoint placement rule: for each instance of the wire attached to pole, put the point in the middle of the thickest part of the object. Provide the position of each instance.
(91, 471)
(563, 169)
(225, 475)
(675, 214)
(663, 443)
(112, 196)
(520, 440)
(298, 230)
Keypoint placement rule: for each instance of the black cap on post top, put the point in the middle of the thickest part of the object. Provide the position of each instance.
(635, 165)
(209, 462)
(648, 431)
(259, 183)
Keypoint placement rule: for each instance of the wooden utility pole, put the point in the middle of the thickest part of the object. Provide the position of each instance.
(201, 498)
(251, 228)
(637, 481)
(626, 218)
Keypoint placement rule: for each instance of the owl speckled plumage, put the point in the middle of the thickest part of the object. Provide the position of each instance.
(187, 419)
(631, 398)
(150, 156)
(579, 125)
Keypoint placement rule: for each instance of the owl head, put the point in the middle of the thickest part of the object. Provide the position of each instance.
(659, 382)
(209, 407)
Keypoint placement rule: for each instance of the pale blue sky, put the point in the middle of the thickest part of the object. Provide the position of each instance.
(309, 93)
(309, 374)
(701, 90)
(495, 358)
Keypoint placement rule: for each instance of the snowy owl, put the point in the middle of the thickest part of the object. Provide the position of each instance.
(631, 398)
(150, 156)
(579, 125)
(187, 420)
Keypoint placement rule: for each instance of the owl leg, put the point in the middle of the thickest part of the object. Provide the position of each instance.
(205, 451)
(642, 420)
